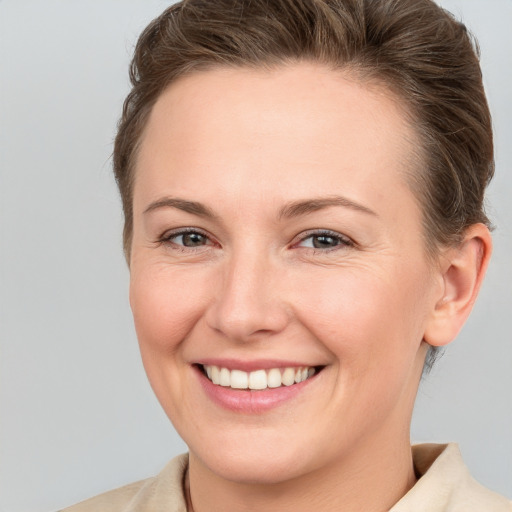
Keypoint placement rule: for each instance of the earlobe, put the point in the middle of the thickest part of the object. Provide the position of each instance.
(462, 273)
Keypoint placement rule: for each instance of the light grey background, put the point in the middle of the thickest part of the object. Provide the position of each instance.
(77, 416)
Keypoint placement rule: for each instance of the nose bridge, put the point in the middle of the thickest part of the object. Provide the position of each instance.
(249, 300)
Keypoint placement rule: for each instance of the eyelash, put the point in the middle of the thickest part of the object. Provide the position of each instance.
(342, 240)
(167, 239)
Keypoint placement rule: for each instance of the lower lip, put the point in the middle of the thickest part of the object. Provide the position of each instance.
(248, 401)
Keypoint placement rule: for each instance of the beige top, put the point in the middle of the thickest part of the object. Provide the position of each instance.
(445, 486)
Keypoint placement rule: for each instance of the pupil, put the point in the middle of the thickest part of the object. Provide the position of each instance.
(192, 239)
(320, 242)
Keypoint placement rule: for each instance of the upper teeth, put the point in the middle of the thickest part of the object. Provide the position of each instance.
(258, 379)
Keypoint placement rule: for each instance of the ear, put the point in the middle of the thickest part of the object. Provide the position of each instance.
(462, 270)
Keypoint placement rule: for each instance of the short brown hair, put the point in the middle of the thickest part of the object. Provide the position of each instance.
(413, 47)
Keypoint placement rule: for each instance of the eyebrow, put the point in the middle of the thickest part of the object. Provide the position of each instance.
(192, 207)
(298, 208)
(294, 209)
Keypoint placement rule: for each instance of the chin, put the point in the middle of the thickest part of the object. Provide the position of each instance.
(253, 469)
(266, 461)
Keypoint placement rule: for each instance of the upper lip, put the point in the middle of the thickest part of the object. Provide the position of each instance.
(252, 365)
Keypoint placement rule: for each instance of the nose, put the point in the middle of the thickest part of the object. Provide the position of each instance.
(249, 301)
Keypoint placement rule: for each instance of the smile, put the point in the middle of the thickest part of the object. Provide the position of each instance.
(257, 380)
(261, 386)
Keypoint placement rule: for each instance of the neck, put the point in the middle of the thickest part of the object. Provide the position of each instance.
(371, 479)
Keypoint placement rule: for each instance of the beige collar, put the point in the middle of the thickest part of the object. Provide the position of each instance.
(444, 485)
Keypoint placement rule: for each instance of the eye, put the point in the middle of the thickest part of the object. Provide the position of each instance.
(186, 238)
(324, 240)
(190, 239)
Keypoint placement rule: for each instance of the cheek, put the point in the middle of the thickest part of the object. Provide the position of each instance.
(367, 318)
(165, 305)
(373, 327)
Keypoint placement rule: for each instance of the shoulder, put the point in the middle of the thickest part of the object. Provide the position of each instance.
(445, 484)
(165, 489)
(112, 501)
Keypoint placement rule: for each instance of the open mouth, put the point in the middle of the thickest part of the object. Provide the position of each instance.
(259, 379)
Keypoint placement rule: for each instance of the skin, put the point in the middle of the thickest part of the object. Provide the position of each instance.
(246, 145)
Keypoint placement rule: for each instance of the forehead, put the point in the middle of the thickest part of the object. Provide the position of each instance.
(301, 125)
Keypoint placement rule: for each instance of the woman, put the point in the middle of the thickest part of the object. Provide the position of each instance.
(303, 185)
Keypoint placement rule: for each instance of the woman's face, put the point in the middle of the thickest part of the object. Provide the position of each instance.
(274, 237)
